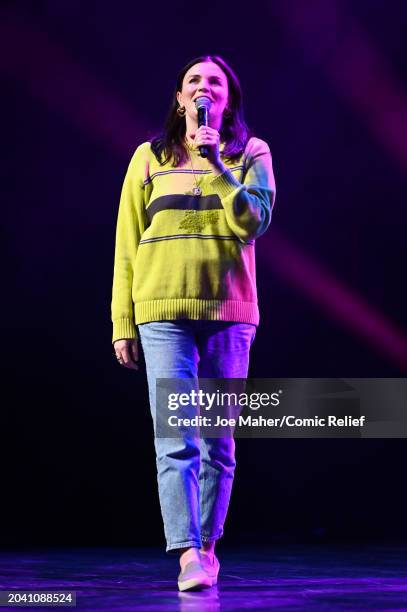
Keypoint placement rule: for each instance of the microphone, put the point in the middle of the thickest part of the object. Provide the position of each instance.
(203, 104)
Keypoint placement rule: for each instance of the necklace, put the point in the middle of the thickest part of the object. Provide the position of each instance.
(197, 191)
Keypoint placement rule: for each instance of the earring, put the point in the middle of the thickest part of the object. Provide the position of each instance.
(181, 110)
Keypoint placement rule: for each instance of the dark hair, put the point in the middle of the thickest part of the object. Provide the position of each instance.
(234, 131)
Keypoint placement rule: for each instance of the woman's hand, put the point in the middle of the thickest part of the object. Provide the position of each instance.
(127, 352)
(210, 138)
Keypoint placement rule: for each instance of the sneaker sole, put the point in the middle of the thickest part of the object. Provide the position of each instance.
(195, 583)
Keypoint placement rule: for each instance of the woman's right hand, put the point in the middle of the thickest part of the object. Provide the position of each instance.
(126, 351)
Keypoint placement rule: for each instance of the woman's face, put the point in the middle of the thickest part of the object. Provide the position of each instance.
(204, 79)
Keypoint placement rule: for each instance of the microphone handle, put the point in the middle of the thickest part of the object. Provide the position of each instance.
(203, 151)
(203, 120)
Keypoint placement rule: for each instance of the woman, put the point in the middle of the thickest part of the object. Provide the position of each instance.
(184, 273)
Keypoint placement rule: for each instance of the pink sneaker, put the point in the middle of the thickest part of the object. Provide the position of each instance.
(193, 577)
(210, 566)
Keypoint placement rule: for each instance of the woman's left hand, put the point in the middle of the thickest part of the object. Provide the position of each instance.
(209, 137)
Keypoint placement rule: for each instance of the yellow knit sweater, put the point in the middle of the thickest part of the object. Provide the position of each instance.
(180, 255)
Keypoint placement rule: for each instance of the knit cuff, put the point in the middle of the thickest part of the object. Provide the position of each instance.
(225, 183)
(123, 328)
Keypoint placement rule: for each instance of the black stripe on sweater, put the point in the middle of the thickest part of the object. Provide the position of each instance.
(151, 177)
(183, 202)
(204, 236)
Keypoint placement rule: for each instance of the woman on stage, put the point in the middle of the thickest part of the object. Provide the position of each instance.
(184, 278)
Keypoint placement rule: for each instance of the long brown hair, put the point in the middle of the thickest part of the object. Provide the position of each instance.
(234, 131)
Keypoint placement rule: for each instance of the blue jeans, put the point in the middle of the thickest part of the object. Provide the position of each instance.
(195, 475)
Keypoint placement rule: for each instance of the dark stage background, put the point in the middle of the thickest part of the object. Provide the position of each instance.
(83, 84)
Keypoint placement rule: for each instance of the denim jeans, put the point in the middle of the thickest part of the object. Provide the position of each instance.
(195, 475)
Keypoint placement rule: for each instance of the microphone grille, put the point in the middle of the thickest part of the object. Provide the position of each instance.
(203, 102)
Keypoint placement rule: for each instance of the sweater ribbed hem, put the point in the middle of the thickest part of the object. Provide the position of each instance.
(186, 308)
(123, 328)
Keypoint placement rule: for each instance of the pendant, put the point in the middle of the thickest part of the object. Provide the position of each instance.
(197, 191)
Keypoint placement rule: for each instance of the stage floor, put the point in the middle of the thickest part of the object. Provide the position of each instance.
(323, 577)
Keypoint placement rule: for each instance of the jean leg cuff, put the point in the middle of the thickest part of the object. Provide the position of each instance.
(172, 548)
(211, 538)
